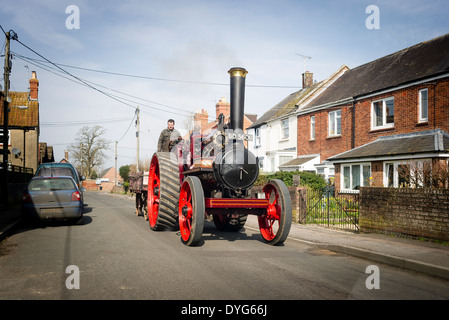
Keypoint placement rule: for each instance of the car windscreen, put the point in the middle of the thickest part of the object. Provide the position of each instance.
(51, 184)
(55, 171)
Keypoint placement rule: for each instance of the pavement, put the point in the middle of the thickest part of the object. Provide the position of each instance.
(416, 255)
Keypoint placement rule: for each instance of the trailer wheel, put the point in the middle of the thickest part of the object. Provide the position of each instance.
(275, 224)
(191, 211)
(226, 222)
(163, 192)
(139, 204)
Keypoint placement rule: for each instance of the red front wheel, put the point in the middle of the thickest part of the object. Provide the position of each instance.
(275, 224)
(191, 210)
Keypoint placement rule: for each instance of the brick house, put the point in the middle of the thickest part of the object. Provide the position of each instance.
(23, 124)
(362, 122)
(107, 179)
(274, 133)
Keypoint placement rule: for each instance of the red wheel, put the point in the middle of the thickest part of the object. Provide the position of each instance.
(275, 224)
(163, 191)
(191, 211)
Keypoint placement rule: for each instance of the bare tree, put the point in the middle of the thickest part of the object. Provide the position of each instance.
(88, 150)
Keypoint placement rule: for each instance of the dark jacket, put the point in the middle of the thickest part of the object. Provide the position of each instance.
(168, 139)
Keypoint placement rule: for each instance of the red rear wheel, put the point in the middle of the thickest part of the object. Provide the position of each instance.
(191, 210)
(163, 191)
(275, 224)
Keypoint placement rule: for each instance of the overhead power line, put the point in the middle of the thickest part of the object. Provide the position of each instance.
(73, 76)
(165, 79)
(56, 72)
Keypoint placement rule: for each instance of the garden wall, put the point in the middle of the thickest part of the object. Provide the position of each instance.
(407, 212)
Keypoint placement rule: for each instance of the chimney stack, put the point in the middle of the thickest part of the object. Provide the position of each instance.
(201, 118)
(307, 79)
(224, 107)
(34, 84)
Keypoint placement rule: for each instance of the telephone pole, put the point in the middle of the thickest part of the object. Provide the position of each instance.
(115, 183)
(5, 151)
(137, 136)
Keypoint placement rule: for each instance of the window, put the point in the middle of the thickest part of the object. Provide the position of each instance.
(312, 128)
(335, 123)
(423, 105)
(355, 176)
(284, 129)
(284, 159)
(408, 174)
(1, 137)
(257, 137)
(382, 114)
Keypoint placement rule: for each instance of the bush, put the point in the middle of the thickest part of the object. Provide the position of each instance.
(307, 179)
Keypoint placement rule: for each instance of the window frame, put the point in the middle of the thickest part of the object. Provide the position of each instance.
(384, 124)
(422, 119)
(350, 187)
(257, 137)
(418, 165)
(285, 135)
(312, 127)
(337, 118)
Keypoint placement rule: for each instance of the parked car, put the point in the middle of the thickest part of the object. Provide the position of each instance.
(59, 169)
(51, 169)
(53, 198)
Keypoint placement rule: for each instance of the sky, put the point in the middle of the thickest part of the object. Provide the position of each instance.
(171, 58)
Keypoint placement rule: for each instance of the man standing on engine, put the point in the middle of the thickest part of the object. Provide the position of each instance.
(169, 137)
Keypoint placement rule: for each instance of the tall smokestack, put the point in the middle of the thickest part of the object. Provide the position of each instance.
(237, 97)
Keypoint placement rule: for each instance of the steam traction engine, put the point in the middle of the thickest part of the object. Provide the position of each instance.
(212, 175)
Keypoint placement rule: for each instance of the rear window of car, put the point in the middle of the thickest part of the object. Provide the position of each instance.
(55, 171)
(51, 184)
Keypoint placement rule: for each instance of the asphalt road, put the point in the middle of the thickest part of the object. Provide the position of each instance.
(114, 255)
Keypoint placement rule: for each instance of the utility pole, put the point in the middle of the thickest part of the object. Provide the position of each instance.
(137, 136)
(115, 183)
(7, 70)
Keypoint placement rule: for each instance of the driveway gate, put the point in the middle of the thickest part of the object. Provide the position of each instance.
(330, 209)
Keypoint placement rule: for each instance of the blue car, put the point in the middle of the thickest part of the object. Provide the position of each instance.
(51, 169)
(53, 198)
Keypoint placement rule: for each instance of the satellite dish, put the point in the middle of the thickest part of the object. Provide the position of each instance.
(16, 152)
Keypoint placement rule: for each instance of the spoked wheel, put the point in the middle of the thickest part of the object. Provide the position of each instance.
(275, 224)
(229, 222)
(191, 211)
(163, 192)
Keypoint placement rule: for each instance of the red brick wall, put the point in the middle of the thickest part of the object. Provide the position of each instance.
(406, 102)
(409, 212)
(405, 120)
(324, 145)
